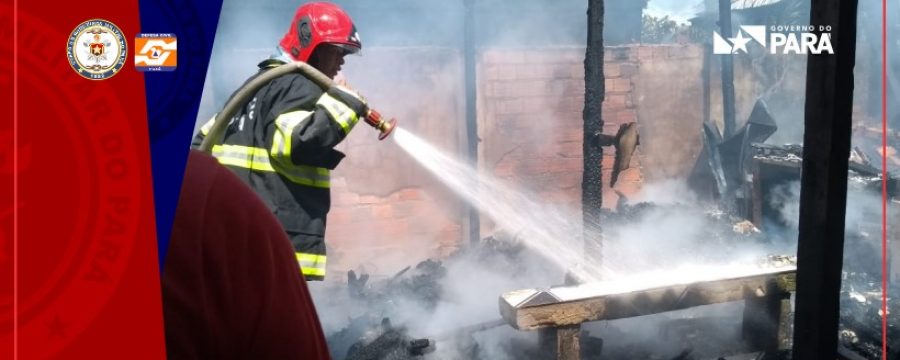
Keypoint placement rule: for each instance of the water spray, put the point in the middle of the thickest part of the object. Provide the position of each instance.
(544, 228)
(243, 94)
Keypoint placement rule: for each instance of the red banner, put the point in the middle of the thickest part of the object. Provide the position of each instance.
(78, 240)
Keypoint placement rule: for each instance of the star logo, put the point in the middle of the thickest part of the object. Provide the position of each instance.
(757, 33)
(740, 42)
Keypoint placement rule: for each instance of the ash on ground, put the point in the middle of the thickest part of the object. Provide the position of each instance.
(860, 321)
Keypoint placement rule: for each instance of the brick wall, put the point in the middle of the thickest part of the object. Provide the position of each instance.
(530, 115)
(529, 120)
(668, 91)
(620, 69)
(389, 213)
(382, 234)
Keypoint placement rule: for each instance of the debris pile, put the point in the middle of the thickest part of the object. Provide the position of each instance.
(860, 322)
(381, 332)
(386, 308)
(389, 311)
(371, 335)
(386, 342)
(862, 175)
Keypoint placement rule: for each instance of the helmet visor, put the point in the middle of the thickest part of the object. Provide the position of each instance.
(347, 49)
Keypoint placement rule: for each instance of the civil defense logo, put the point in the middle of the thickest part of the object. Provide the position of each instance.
(96, 49)
(155, 52)
(777, 39)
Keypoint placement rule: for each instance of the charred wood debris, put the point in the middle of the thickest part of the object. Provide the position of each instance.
(738, 174)
(742, 171)
(374, 335)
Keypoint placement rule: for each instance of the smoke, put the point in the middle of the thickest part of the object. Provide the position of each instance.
(434, 300)
(783, 77)
(785, 198)
(777, 79)
(666, 238)
(869, 51)
(647, 245)
(248, 32)
(862, 248)
(862, 239)
(650, 244)
(705, 332)
(665, 192)
(668, 235)
(410, 68)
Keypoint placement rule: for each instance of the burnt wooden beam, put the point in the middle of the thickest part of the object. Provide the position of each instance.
(474, 223)
(568, 342)
(563, 343)
(756, 195)
(727, 71)
(532, 309)
(765, 320)
(592, 179)
(706, 75)
(823, 193)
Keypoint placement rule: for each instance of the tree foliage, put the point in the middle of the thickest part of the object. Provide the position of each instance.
(660, 30)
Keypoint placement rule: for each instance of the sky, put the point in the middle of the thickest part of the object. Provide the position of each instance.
(678, 10)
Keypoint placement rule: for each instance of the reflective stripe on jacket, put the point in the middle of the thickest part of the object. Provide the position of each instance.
(281, 143)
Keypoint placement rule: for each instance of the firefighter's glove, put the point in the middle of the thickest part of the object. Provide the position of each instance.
(350, 98)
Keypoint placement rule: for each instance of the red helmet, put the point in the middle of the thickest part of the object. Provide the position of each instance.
(317, 23)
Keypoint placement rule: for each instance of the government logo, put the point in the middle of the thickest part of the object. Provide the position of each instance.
(155, 52)
(782, 39)
(97, 49)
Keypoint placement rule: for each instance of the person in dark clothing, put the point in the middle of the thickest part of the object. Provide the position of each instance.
(230, 286)
(282, 141)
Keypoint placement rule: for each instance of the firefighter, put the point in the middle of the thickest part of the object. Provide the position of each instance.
(282, 141)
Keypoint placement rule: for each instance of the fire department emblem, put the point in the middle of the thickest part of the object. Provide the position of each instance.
(97, 49)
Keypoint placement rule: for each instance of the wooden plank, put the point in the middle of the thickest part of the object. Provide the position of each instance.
(756, 198)
(823, 193)
(568, 343)
(761, 326)
(562, 343)
(785, 339)
(535, 308)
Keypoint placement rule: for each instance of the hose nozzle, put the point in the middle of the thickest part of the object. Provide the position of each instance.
(385, 127)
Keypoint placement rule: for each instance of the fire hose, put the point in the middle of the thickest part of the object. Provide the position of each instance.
(217, 132)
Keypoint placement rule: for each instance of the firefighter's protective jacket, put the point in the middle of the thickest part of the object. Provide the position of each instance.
(282, 144)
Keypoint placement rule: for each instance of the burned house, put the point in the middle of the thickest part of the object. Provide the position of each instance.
(498, 89)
